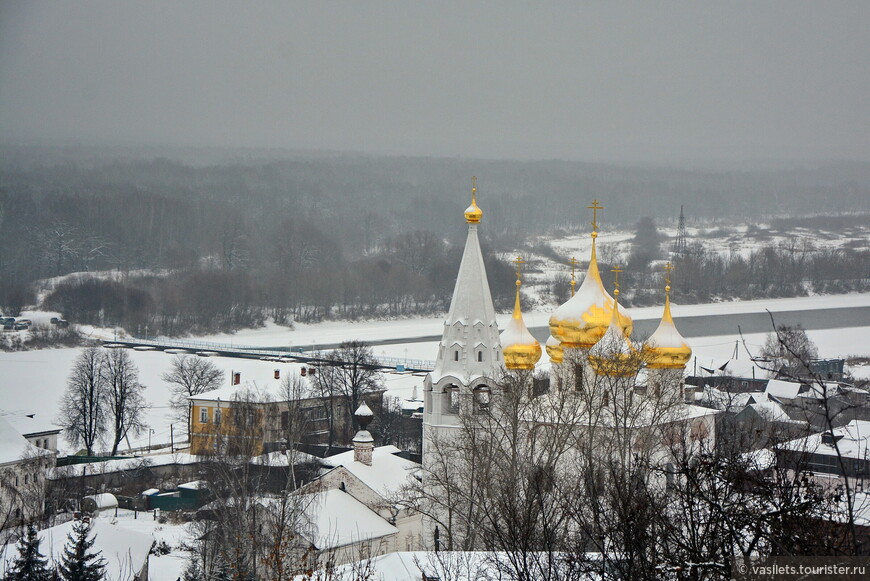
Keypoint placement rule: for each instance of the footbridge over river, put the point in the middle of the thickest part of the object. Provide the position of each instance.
(275, 354)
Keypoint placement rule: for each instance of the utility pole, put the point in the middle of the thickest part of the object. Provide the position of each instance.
(680, 242)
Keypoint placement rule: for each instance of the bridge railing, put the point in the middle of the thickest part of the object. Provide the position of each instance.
(250, 351)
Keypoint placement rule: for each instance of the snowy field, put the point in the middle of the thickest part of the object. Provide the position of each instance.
(34, 381)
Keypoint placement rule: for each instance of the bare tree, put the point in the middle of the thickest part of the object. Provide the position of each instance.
(348, 373)
(189, 376)
(81, 411)
(123, 395)
(788, 351)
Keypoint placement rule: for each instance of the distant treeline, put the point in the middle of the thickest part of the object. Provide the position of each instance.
(327, 236)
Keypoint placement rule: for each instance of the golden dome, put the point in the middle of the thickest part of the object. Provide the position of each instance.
(666, 348)
(473, 213)
(554, 350)
(583, 319)
(614, 354)
(521, 350)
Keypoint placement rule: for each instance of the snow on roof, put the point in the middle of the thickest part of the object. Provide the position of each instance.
(260, 391)
(123, 464)
(410, 566)
(853, 441)
(30, 422)
(125, 551)
(195, 485)
(103, 500)
(13, 446)
(727, 401)
(336, 519)
(726, 367)
(387, 474)
(773, 412)
(782, 389)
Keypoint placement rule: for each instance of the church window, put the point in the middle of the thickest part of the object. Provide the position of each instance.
(456, 356)
(480, 355)
(481, 398)
(578, 377)
(454, 399)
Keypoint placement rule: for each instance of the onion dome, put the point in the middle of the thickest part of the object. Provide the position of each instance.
(473, 213)
(667, 349)
(520, 349)
(613, 354)
(554, 350)
(583, 319)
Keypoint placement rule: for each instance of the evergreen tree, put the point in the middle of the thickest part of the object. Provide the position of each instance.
(30, 564)
(77, 563)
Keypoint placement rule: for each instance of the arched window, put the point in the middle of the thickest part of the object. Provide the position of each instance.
(456, 356)
(480, 355)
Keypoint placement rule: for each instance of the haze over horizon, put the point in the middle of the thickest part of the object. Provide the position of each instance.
(614, 82)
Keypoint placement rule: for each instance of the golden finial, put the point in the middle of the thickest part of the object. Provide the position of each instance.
(595, 207)
(616, 270)
(668, 268)
(519, 261)
(473, 213)
(573, 262)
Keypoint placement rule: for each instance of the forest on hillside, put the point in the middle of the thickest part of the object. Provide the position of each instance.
(222, 242)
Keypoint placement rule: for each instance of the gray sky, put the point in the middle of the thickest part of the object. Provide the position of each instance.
(637, 81)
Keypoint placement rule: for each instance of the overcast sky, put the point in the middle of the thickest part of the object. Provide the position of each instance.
(636, 81)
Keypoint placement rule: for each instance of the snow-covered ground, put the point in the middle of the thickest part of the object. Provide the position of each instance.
(34, 381)
(725, 239)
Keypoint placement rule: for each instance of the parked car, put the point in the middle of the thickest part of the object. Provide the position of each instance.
(7, 325)
(62, 323)
(22, 324)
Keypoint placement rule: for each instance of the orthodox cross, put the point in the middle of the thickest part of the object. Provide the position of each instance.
(518, 262)
(595, 207)
(668, 268)
(616, 270)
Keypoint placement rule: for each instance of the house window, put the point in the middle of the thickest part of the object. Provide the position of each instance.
(203, 415)
(217, 415)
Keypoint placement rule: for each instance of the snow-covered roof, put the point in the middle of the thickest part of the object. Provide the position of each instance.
(727, 401)
(272, 459)
(387, 474)
(125, 551)
(853, 441)
(703, 364)
(335, 518)
(30, 422)
(103, 500)
(782, 389)
(258, 390)
(772, 412)
(14, 447)
(195, 485)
